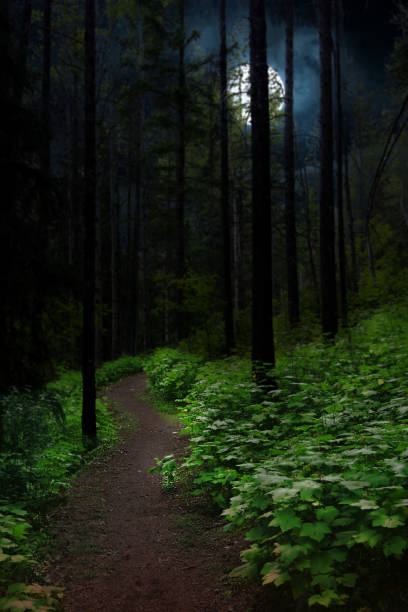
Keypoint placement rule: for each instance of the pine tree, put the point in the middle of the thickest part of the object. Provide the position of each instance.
(290, 198)
(225, 194)
(263, 354)
(327, 232)
(88, 356)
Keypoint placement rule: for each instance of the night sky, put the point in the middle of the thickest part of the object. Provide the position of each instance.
(368, 33)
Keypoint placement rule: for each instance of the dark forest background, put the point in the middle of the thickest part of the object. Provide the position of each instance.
(173, 199)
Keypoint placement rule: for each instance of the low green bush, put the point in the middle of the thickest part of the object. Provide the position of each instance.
(171, 372)
(316, 474)
(41, 445)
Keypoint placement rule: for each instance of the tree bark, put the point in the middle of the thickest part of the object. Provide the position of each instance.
(114, 252)
(349, 205)
(290, 197)
(181, 161)
(340, 213)
(225, 195)
(46, 89)
(327, 233)
(88, 355)
(263, 354)
(22, 50)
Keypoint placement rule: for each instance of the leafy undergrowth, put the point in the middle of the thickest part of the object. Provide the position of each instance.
(316, 472)
(41, 447)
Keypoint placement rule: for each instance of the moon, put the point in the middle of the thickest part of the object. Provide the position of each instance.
(240, 87)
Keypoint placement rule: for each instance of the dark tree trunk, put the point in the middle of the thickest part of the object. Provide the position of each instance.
(129, 250)
(354, 271)
(181, 162)
(114, 222)
(225, 205)
(327, 232)
(138, 195)
(45, 93)
(263, 354)
(309, 237)
(88, 356)
(290, 198)
(340, 212)
(22, 51)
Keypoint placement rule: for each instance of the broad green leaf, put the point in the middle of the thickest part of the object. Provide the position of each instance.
(286, 520)
(316, 531)
(365, 504)
(345, 538)
(275, 575)
(368, 536)
(349, 580)
(327, 514)
(325, 599)
(284, 493)
(288, 553)
(256, 533)
(324, 580)
(395, 546)
(382, 520)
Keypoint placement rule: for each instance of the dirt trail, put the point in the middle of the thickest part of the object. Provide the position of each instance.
(122, 545)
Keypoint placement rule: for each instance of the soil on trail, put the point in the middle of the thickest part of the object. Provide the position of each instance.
(121, 544)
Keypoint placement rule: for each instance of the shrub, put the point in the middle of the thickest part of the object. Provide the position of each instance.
(316, 474)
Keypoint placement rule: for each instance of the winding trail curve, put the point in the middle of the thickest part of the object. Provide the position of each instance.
(122, 545)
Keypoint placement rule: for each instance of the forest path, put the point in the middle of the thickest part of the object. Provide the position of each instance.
(120, 544)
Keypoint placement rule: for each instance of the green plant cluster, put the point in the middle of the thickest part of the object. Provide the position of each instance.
(316, 473)
(16, 562)
(171, 373)
(41, 446)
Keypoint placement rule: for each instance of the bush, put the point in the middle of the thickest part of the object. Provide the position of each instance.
(316, 474)
(171, 373)
(41, 446)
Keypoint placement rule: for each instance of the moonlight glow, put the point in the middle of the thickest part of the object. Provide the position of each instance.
(240, 87)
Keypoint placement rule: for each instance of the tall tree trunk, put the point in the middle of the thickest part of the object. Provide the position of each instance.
(181, 161)
(129, 249)
(309, 239)
(290, 197)
(263, 354)
(45, 93)
(236, 209)
(98, 281)
(88, 355)
(327, 233)
(340, 213)
(225, 205)
(22, 50)
(349, 206)
(114, 252)
(138, 192)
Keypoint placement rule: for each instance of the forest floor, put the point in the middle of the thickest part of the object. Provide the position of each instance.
(121, 544)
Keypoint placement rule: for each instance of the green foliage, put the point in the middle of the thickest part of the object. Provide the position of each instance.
(41, 446)
(16, 562)
(171, 372)
(316, 473)
(112, 371)
(167, 467)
